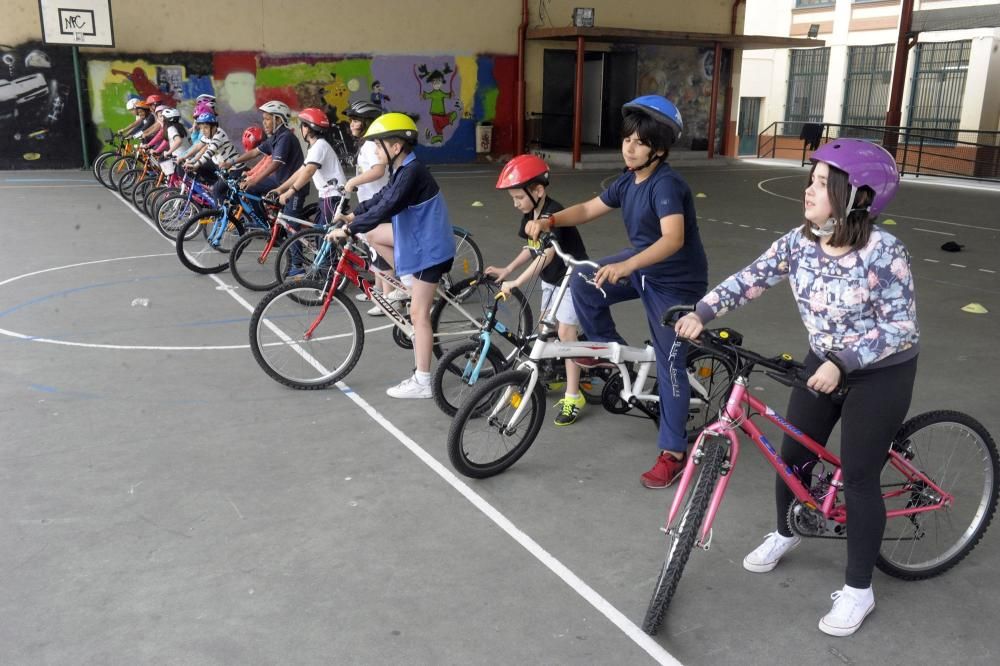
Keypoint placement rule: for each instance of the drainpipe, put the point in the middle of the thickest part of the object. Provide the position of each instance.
(727, 123)
(732, 23)
(893, 117)
(522, 33)
(716, 73)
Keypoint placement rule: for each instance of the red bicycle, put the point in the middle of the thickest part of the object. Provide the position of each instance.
(939, 482)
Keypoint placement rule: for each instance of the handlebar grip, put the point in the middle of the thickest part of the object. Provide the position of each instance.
(674, 313)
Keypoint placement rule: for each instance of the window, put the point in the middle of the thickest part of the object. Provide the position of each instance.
(866, 95)
(807, 85)
(938, 88)
(805, 4)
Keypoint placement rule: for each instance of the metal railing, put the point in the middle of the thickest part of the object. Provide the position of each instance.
(954, 153)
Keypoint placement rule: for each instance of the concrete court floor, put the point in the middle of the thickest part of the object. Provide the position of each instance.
(163, 502)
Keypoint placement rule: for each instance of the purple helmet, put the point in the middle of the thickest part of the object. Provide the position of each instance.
(867, 165)
(204, 106)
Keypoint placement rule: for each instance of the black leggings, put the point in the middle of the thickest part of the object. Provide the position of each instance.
(870, 416)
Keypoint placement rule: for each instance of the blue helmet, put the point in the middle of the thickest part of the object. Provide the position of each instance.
(659, 108)
(210, 118)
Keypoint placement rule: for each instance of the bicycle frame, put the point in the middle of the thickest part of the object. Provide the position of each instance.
(737, 415)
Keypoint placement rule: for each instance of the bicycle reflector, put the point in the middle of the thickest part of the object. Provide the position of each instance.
(515, 400)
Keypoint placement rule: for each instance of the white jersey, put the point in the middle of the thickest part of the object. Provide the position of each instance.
(173, 133)
(329, 174)
(220, 148)
(367, 158)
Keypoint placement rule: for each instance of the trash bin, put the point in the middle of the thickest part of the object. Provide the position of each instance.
(484, 137)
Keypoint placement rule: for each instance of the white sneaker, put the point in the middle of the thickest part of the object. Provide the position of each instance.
(766, 556)
(850, 608)
(397, 295)
(410, 389)
(376, 311)
(361, 296)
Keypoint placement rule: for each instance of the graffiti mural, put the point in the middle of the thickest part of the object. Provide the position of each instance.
(446, 95)
(39, 124)
(684, 76)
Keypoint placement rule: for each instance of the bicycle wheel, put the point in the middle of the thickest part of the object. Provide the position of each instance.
(277, 335)
(483, 441)
(118, 168)
(202, 246)
(153, 193)
(456, 320)
(248, 264)
(958, 454)
(173, 213)
(127, 182)
(714, 377)
(157, 197)
(682, 538)
(298, 253)
(102, 167)
(139, 193)
(452, 381)
(468, 258)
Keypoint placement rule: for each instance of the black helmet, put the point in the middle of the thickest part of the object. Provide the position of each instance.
(364, 110)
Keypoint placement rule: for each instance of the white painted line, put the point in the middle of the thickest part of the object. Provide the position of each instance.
(616, 617)
(933, 261)
(745, 226)
(761, 229)
(931, 231)
(726, 222)
(958, 265)
(986, 270)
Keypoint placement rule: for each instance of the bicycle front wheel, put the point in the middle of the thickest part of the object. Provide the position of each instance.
(248, 263)
(203, 244)
(682, 538)
(102, 167)
(711, 377)
(278, 339)
(484, 439)
(297, 256)
(958, 454)
(452, 381)
(461, 315)
(468, 258)
(173, 213)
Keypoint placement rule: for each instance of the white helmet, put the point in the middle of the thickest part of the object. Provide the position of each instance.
(161, 108)
(276, 108)
(130, 104)
(204, 97)
(171, 114)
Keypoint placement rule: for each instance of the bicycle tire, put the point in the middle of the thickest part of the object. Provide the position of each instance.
(920, 440)
(450, 383)
(151, 197)
(139, 193)
(475, 295)
(307, 243)
(118, 168)
(127, 182)
(283, 316)
(248, 265)
(715, 374)
(102, 166)
(158, 196)
(682, 541)
(200, 255)
(476, 410)
(468, 260)
(173, 213)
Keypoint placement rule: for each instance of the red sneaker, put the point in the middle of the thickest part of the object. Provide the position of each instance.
(664, 472)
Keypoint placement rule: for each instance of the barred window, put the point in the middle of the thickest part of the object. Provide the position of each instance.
(807, 84)
(866, 95)
(938, 87)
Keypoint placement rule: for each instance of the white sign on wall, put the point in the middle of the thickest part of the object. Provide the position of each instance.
(77, 22)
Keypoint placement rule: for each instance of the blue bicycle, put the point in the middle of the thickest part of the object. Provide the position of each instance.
(205, 240)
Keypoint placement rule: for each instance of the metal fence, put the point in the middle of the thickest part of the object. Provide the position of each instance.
(919, 151)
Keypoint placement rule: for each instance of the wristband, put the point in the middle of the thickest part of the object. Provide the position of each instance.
(552, 222)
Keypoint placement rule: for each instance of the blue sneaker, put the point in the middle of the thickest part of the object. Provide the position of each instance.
(296, 271)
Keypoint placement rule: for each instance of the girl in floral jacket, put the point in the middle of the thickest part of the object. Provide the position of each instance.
(852, 283)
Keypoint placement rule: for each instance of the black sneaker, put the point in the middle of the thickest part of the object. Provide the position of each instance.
(569, 410)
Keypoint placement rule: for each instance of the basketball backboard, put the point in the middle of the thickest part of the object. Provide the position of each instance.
(77, 22)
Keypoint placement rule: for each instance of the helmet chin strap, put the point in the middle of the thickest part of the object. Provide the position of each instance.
(652, 158)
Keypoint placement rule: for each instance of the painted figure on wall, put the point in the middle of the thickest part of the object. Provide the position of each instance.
(378, 97)
(441, 117)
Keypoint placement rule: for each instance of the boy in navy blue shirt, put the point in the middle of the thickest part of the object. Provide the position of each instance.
(665, 266)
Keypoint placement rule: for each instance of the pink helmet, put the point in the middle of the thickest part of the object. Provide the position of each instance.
(866, 164)
(204, 106)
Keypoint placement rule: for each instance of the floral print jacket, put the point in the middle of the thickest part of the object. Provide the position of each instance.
(859, 306)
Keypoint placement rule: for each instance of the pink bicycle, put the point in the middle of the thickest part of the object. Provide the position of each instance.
(939, 482)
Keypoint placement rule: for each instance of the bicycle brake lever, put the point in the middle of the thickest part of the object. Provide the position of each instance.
(592, 282)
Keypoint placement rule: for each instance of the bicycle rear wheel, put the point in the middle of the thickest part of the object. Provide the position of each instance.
(248, 264)
(452, 381)
(483, 440)
(202, 246)
(468, 258)
(714, 376)
(957, 453)
(682, 538)
(455, 321)
(277, 335)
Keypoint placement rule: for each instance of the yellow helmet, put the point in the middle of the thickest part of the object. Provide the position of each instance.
(393, 125)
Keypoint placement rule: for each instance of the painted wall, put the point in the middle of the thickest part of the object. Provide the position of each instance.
(446, 94)
(39, 123)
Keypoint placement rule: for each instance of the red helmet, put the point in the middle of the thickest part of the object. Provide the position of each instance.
(156, 100)
(252, 136)
(314, 119)
(522, 171)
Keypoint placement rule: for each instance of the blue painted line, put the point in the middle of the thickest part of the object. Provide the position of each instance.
(43, 388)
(65, 292)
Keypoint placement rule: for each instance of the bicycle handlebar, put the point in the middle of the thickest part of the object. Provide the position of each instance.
(781, 368)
